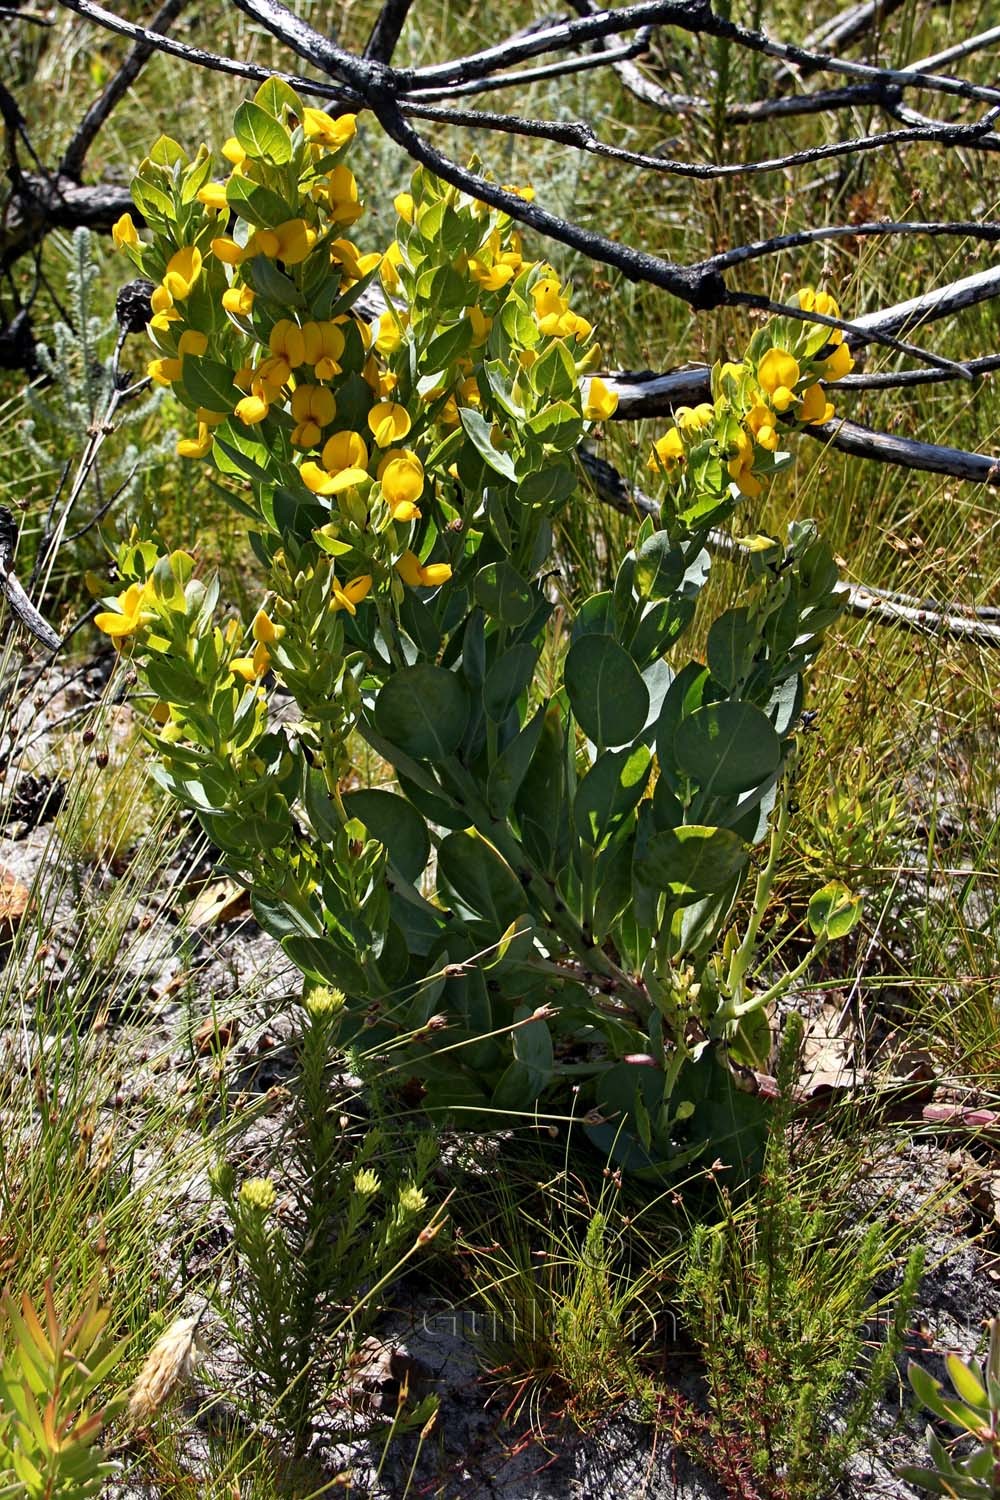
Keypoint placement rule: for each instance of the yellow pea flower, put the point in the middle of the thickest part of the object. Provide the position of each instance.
(183, 270)
(812, 301)
(569, 325)
(318, 481)
(313, 402)
(404, 206)
(124, 232)
(760, 420)
(349, 595)
(389, 423)
(161, 302)
(269, 377)
(287, 343)
(346, 254)
(839, 364)
(251, 410)
(196, 447)
(599, 402)
(227, 250)
(233, 151)
(421, 575)
(321, 129)
(815, 407)
(692, 419)
(129, 616)
(295, 240)
(192, 341)
(164, 371)
(322, 342)
(345, 450)
(490, 278)
(264, 242)
(402, 477)
(740, 467)
(313, 408)
(481, 326)
(391, 326)
(668, 453)
(252, 668)
(264, 629)
(239, 300)
(321, 482)
(777, 373)
(342, 195)
(213, 195)
(211, 418)
(391, 261)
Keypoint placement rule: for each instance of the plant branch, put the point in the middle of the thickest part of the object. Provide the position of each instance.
(954, 620)
(386, 32)
(581, 136)
(115, 90)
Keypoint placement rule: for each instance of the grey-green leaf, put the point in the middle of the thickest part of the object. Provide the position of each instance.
(727, 747)
(424, 710)
(692, 860)
(609, 791)
(396, 824)
(609, 699)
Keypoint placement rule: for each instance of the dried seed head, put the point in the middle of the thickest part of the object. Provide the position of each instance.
(169, 1362)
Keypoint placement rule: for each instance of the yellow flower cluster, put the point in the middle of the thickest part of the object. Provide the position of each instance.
(778, 386)
(138, 606)
(214, 302)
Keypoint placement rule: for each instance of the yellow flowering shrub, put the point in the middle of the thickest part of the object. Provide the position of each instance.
(396, 424)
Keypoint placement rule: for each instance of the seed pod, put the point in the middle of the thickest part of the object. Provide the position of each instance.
(133, 308)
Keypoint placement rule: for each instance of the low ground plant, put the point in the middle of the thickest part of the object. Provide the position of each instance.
(317, 1248)
(779, 1296)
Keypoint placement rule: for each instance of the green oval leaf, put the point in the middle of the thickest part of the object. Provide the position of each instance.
(209, 383)
(258, 205)
(609, 699)
(692, 860)
(727, 747)
(504, 594)
(261, 135)
(396, 824)
(480, 879)
(833, 910)
(659, 566)
(507, 679)
(609, 791)
(274, 95)
(476, 427)
(423, 710)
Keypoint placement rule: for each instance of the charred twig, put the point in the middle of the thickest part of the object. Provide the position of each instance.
(581, 136)
(982, 229)
(201, 58)
(115, 90)
(387, 29)
(20, 605)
